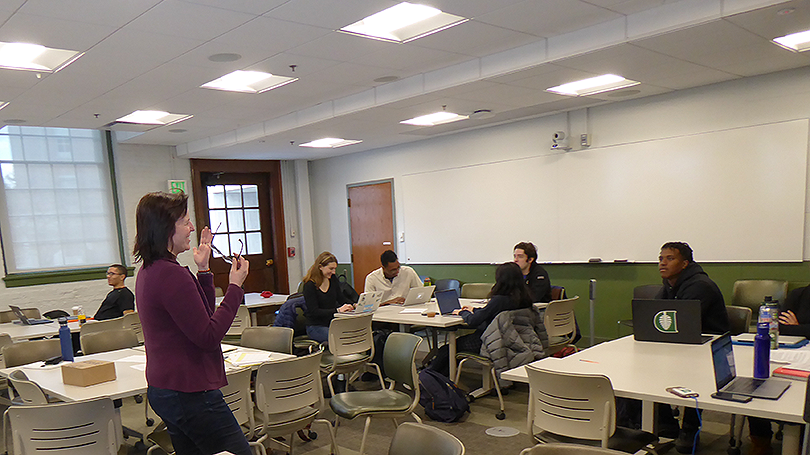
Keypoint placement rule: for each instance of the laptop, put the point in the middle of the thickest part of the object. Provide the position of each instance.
(447, 301)
(725, 375)
(668, 321)
(419, 295)
(367, 303)
(24, 320)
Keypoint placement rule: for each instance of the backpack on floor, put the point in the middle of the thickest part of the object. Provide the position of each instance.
(442, 399)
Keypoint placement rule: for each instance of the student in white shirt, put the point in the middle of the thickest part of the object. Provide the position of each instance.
(393, 279)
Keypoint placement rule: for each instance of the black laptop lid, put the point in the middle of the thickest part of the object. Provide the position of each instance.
(723, 361)
(447, 300)
(18, 312)
(667, 321)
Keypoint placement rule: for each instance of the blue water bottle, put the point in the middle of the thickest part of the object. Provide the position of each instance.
(65, 341)
(762, 352)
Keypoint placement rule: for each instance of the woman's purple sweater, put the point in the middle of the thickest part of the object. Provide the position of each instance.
(182, 332)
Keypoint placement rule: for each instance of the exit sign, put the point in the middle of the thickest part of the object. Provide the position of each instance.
(177, 186)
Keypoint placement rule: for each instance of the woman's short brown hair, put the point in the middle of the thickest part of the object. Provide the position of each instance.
(155, 218)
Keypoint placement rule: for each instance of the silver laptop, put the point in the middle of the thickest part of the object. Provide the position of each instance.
(419, 295)
(26, 320)
(367, 303)
(725, 375)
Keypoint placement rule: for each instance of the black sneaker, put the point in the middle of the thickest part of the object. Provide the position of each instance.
(687, 440)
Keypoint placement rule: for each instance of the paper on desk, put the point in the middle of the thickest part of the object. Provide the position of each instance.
(136, 358)
(138, 366)
(412, 310)
(241, 359)
(791, 356)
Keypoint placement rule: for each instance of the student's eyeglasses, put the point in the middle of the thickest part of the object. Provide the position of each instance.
(227, 258)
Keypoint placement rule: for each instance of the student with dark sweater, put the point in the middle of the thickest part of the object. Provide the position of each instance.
(795, 319)
(525, 256)
(508, 293)
(120, 300)
(323, 297)
(183, 330)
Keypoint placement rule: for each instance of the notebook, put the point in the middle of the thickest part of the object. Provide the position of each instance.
(27, 321)
(419, 295)
(725, 375)
(668, 321)
(367, 303)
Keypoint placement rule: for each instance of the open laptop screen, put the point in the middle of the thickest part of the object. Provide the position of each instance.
(723, 360)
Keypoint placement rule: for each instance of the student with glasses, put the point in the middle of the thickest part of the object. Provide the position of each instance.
(120, 300)
(183, 329)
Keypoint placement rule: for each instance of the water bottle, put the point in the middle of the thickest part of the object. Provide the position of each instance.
(773, 329)
(82, 316)
(766, 315)
(762, 352)
(65, 340)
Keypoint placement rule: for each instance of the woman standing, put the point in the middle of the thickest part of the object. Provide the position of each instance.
(323, 297)
(183, 330)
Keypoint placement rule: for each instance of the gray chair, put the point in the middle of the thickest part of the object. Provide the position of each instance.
(646, 291)
(289, 397)
(579, 408)
(557, 293)
(476, 290)
(567, 449)
(31, 351)
(399, 358)
(80, 428)
(351, 348)
(751, 293)
(28, 392)
(133, 321)
(7, 316)
(739, 318)
(561, 324)
(108, 340)
(100, 326)
(275, 339)
(420, 439)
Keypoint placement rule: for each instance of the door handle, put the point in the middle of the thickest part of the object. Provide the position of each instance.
(268, 262)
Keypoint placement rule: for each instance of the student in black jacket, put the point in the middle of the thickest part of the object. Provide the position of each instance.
(525, 256)
(322, 296)
(795, 319)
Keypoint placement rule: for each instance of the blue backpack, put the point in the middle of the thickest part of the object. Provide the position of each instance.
(442, 399)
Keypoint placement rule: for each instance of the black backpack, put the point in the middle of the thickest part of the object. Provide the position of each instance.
(442, 399)
(347, 290)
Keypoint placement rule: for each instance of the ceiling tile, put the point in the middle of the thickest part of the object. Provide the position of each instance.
(185, 20)
(50, 32)
(541, 17)
(331, 15)
(471, 8)
(474, 39)
(766, 23)
(273, 35)
(243, 6)
(341, 46)
(111, 13)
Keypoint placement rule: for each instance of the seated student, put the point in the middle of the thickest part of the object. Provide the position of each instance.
(322, 296)
(525, 255)
(508, 293)
(683, 279)
(393, 279)
(795, 319)
(120, 300)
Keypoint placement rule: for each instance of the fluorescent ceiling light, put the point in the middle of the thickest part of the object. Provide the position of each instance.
(797, 42)
(330, 142)
(3, 104)
(153, 118)
(248, 82)
(404, 22)
(594, 85)
(436, 118)
(34, 57)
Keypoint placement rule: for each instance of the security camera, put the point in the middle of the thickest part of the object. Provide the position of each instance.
(559, 141)
(558, 137)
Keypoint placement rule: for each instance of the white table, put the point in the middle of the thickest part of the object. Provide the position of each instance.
(255, 301)
(412, 315)
(20, 332)
(643, 370)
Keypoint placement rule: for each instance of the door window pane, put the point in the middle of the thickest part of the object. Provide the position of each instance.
(236, 246)
(216, 197)
(250, 194)
(252, 222)
(233, 196)
(254, 243)
(235, 221)
(218, 223)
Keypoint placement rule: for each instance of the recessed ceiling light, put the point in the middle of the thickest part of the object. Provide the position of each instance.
(593, 85)
(224, 57)
(436, 118)
(35, 57)
(153, 118)
(404, 22)
(248, 82)
(3, 104)
(796, 42)
(330, 142)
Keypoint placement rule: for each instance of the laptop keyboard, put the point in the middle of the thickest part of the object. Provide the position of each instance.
(744, 386)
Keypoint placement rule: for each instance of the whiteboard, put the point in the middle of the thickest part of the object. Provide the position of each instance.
(733, 195)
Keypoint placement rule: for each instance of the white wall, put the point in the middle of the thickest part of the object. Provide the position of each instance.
(140, 169)
(741, 103)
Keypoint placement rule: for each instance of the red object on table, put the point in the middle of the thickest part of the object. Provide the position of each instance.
(266, 294)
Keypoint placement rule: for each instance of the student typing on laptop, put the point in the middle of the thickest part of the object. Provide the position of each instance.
(393, 279)
(322, 296)
(684, 279)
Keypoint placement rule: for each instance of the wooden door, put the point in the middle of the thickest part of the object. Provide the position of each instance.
(371, 211)
(241, 208)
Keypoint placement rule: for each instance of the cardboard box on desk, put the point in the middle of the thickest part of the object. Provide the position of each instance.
(88, 372)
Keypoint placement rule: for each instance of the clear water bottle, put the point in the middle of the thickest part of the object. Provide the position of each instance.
(762, 352)
(773, 329)
(82, 316)
(65, 342)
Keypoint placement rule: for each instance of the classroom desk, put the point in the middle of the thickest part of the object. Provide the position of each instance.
(20, 332)
(129, 371)
(255, 301)
(643, 370)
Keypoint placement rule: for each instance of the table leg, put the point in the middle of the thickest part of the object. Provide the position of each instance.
(647, 416)
(254, 321)
(806, 443)
(451, 342)
(790, 439)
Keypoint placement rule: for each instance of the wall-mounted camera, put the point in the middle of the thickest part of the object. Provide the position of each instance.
(559, 141)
